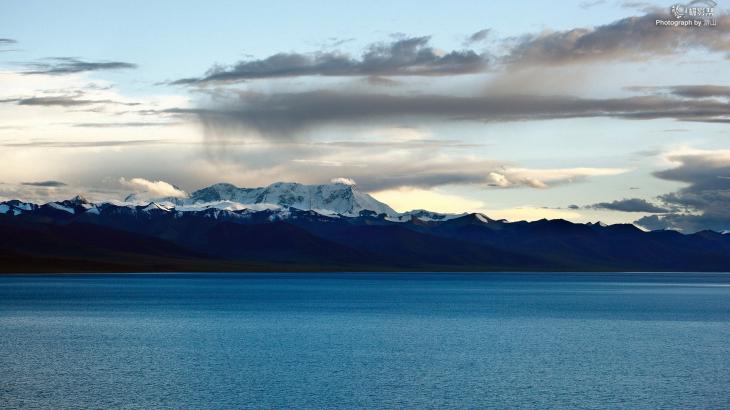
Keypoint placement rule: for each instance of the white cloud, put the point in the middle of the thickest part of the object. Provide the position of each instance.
(544, 178)
(497, 179)
(153, 188)
(344, 181)
(49, 106)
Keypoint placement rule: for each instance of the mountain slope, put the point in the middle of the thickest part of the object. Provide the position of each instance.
(327, 198)
(80, 236)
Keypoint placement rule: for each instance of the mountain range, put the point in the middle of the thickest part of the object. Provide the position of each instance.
(330, 227)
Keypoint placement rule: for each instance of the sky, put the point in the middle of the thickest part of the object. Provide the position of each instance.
(588, 111)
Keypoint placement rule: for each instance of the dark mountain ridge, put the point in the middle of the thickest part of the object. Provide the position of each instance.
(79, 236)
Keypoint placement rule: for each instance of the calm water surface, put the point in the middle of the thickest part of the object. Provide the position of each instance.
(365, 340)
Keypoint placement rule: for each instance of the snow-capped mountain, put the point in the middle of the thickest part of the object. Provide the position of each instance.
(278, 201)
(73, 206)
(16, 207)
(325, 199)
(424, 215)
(334, 227)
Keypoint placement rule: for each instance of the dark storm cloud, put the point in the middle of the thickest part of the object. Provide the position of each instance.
(630, 39)
(686, 91)
(286, 114)
(404, 57)
(701, 91)
(630, 205)
(46, 184)
(71, 65)
(686, 223)
(703, 203)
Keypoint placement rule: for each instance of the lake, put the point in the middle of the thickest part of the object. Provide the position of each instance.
(416, 340)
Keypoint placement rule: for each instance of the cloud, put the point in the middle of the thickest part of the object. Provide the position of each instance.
(686, 91)
(79, 144)
(401, 143)
(588, 4)
(412, 56)
(630, 205)
(72, 65)
(153, 188)
(4, 42)
(384, 158)
(40, 194)
(417, 166)
(343, 181)
(637, 5)
(462, 171)
(336, 42)
(509, 177)
(405, 171)
(703, 203)
(701, 91)
(35, 194)
(62, 101)
(48, 184)
(284, 115)
(544, 178)
(630, 39)
(59, 102)
(633, 38)
(130, 124)
(479, 36)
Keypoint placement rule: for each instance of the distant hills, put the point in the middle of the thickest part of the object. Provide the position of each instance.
(331, 227)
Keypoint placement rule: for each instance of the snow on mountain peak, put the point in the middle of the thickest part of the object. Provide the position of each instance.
(336, 197)
(79, 200)
(60, 207)
(153, 206)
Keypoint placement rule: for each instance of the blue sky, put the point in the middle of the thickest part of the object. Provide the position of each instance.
(172, 39)
(584, 105)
